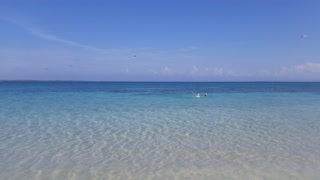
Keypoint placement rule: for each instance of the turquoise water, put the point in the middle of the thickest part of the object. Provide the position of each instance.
(159, 131)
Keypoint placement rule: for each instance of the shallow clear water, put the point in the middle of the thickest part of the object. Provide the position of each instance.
(159, 131)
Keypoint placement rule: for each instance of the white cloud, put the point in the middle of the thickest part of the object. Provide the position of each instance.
(166, 70)
(221, 71)
(195, 69)
(211, 71)
(308, 68)
(306, 71)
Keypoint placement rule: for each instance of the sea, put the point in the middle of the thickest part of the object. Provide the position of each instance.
(159, 130)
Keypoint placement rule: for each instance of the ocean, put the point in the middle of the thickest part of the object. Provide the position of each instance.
(159, 130)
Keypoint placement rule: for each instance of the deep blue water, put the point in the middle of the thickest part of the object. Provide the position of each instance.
(160, 87)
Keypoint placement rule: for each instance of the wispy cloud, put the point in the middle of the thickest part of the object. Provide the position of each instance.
(55, 38)
(50, 37)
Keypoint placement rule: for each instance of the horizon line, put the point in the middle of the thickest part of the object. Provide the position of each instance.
(172, 81)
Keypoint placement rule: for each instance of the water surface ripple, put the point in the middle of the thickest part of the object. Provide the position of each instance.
(159, 131)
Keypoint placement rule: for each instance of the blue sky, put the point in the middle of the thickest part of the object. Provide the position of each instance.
(187, 40)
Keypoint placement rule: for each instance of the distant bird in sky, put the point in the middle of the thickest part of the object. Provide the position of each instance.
(134, 56)
(304, 36)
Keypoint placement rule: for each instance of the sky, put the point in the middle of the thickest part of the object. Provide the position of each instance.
(160, 40)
